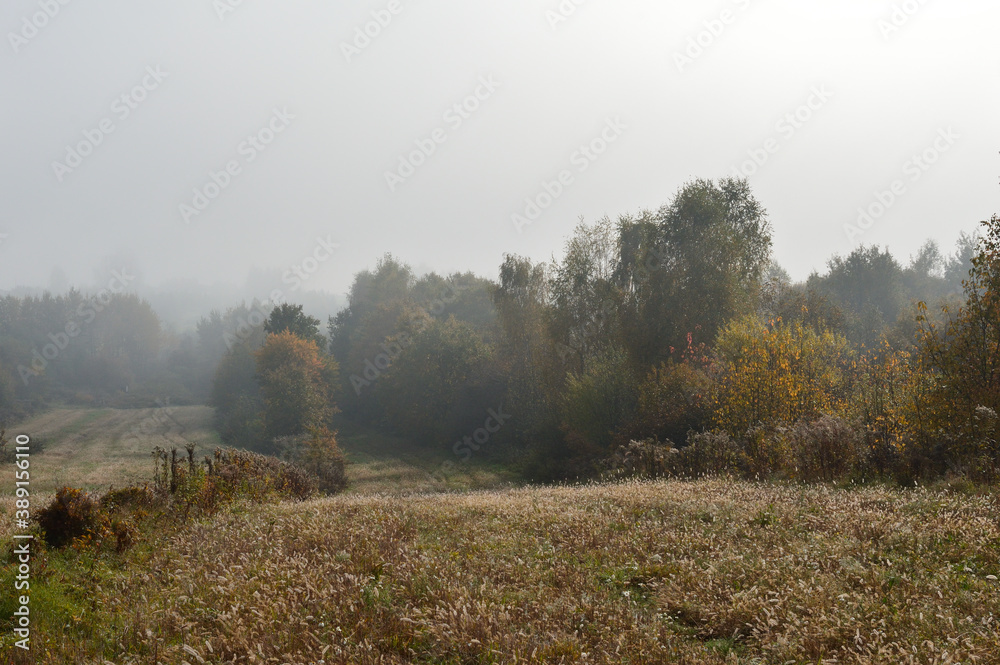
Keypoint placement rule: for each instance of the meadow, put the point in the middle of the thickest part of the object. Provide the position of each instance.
(707, 571)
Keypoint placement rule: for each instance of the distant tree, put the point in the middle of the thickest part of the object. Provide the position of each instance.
(296, 383)
(958, 265)
(439, 385)
(598, 402)
(807, 306)
(532, 367)
(465, 296)
(923, 278)
(290, 318)
(237, 399)
(392, 281)
(867, 286)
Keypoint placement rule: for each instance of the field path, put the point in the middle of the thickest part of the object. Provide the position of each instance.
(95, 448)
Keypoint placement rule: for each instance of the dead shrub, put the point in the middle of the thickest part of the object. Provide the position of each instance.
(824, 449)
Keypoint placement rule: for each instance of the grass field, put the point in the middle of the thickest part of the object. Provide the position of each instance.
(708, 571)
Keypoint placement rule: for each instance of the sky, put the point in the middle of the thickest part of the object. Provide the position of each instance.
(289, 145)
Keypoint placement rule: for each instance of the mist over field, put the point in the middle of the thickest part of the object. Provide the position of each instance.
(545, 332)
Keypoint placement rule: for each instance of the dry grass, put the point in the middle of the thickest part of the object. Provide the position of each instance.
(687, 572)
(703, 572)
(93, 449)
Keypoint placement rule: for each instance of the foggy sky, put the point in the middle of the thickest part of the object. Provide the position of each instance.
(201, 77)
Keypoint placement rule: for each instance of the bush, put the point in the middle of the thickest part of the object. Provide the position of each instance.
(129, 498)
(238, 473)
(713, 453)
(319, 455)
(72, 514)
(674, 400)
(707, 453)
(774, 374)
(597, 402)
(825, 449)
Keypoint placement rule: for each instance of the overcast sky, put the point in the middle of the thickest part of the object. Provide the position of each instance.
(115, 114)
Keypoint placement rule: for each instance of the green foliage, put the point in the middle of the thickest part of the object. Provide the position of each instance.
(75, 347)
(237, 399)
(438, 385)
(597, 402)
(585, 298)
(695, 264)
(290, 318)
(674, 400)
(867, 286)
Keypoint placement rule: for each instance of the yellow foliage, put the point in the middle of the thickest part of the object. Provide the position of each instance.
(772, 373)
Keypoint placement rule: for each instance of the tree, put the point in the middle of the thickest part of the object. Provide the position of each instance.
(585, 299)
(237, 399)
(958, 265)
(597, 403)
(392, 281)
(296, 384)
(962, 357)
(439, 385)
(290, 318)
(532, 367)
(867, 286)
(695, 264)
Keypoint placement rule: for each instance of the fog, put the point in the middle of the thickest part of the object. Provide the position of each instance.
(245, 146)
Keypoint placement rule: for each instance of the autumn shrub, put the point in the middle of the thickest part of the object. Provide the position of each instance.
(712, 453)
(961, 358)
(706, 454)
(772, 373)
(132, 497)
(243, 474)
(72, 514)
(319, 454)
(883, 403)
(644, 459)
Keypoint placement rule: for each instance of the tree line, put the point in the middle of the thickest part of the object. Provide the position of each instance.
(669, 333)
(660, 327)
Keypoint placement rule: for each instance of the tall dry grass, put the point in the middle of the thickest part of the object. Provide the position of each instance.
(642, 572)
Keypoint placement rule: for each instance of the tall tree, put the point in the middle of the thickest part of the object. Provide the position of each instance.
(695, 264)
(296, 382)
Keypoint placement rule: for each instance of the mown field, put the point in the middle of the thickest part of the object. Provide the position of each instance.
(707, 571)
